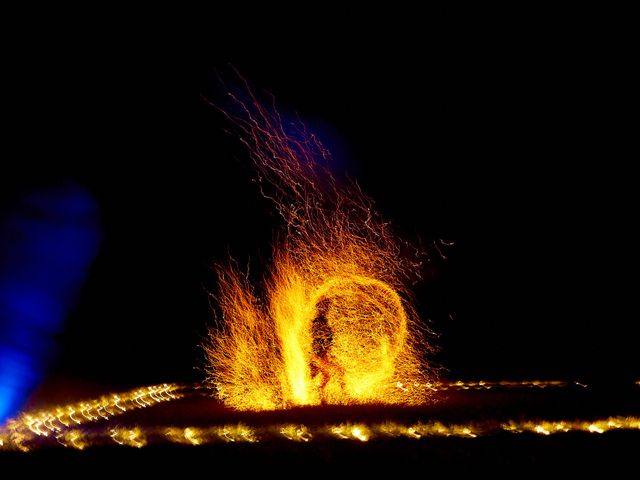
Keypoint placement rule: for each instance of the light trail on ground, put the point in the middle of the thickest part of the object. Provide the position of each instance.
(96, 422)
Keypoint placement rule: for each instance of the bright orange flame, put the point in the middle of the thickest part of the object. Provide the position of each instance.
(334, 322)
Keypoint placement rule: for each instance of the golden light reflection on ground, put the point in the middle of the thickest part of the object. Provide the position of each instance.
(96, 422)
(359, 432)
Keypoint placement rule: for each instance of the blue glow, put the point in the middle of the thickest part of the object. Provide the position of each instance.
(47, 243)
(17, 375)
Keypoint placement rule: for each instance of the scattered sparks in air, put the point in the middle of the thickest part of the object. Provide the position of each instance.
(334, 323)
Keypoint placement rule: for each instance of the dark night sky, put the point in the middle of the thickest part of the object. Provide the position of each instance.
(511, 150)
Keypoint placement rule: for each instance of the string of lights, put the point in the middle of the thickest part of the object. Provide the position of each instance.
(138, 437)
(94, 422)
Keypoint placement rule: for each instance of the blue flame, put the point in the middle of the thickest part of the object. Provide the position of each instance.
(47, 243)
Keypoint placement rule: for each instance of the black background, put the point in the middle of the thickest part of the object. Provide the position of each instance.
(511, 146)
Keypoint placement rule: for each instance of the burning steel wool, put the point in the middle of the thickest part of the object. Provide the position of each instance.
(333, 322)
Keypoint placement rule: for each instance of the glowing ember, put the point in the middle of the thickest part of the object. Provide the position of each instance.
(334, 322)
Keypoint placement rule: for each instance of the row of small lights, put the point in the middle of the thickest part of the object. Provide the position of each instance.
(44, 421)
(138, 437)
(487, 385)
(62, 422)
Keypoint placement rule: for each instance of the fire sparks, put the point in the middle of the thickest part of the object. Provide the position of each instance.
(333, 322)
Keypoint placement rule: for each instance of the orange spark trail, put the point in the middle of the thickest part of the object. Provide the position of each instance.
(333, 322)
